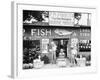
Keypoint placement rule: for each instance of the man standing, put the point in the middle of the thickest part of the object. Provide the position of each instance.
(74, 47)
(53, 52)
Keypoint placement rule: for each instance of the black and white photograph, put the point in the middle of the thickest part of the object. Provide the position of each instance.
(55, 39)
(52, 40)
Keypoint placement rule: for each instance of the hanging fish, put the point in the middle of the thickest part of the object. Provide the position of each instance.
(62, 32)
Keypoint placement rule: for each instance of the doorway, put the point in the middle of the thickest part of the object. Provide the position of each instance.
(61, 43)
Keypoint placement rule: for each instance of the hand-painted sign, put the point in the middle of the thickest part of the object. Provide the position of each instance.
(61, 19)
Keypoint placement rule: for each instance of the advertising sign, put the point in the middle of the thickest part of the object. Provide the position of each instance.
(61, 19)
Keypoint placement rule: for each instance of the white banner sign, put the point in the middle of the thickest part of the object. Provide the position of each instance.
(61, 19)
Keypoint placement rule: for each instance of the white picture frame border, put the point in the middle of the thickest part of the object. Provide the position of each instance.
(16, 66)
